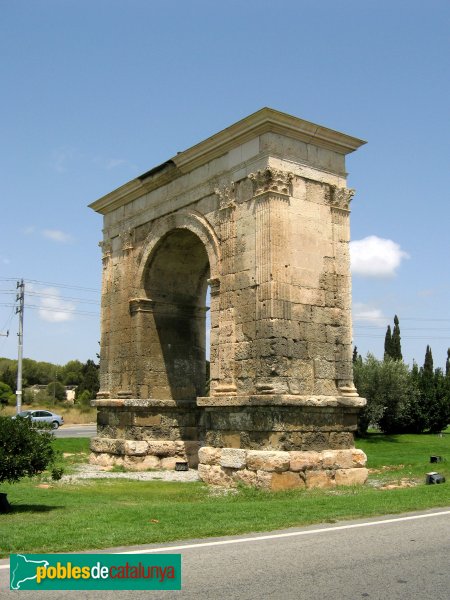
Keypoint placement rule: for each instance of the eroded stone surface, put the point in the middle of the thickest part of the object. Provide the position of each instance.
(319, 479)
(268, 461)
(300, 461)
(356, 476)
(286, 481)
(233, 457)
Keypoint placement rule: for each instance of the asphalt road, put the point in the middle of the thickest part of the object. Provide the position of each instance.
(67, 431)
(398, 557)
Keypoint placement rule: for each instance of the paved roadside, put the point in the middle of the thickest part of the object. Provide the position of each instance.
(395, 557)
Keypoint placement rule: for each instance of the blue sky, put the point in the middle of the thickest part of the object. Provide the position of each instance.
(94, 93)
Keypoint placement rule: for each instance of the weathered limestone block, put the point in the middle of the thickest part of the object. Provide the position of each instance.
(133, 448)
(342, 439)
(337, 459)
(245, 477)
(315, 441)
(215, 475)
(264, 479)
(265, 460)
(301, 461)
(209, 456)
(101, 459)
(233, 457)
(286, 481)
(161, 448)
(357, 476)
(148, 420)
(111, 446)
(359, 458)
(141, 463)
(319, 479)
(169, 462)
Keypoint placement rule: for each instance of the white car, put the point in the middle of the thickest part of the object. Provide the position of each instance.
(42, 416)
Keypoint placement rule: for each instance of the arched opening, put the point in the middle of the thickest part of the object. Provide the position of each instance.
(175, 283)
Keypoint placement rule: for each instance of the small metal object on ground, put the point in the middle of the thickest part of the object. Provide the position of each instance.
(435, 459)
(434, 477)
(181, 466)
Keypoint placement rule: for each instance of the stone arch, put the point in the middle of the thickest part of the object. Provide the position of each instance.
(192, 221)
(179, 257)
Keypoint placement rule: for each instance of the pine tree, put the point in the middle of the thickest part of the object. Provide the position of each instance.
(388, 343)
(396, 347)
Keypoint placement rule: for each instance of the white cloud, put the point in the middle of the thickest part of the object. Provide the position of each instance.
(56, 235)
(53, 308)
(376, 257)
(368, 314)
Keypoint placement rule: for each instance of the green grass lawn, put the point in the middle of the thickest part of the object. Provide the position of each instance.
(397, 456)
(106, 513)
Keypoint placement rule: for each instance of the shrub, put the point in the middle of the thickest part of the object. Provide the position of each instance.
(24, 451)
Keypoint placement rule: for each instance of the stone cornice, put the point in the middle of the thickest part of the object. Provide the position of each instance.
(263, 121)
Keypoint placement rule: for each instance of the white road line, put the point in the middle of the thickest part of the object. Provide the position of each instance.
(280, 535)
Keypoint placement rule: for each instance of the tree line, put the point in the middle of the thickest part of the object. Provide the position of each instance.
(402, 399)
(55, 377)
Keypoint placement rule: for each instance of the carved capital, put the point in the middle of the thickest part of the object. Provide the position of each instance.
(106, 248)
(127, 239)
(339, 197)
(271, 180)
(214, 285)
(226, 195)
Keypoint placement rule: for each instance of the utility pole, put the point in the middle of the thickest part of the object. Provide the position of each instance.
(19, 310)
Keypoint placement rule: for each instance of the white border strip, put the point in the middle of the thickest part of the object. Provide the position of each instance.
(279, 535)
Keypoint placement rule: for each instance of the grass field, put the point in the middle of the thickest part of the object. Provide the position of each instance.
(106, 513)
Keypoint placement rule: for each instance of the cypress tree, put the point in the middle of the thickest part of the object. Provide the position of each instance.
(427, 387)
(388, 343)
(447, 364)
(396, 347)
(428, 362)
(355, 354)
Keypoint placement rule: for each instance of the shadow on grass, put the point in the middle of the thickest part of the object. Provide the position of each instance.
(39, 508)
(375, 438)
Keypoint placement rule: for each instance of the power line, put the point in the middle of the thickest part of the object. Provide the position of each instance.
(62, 285)
(55, 296)
(55, 310)
(81, 300)
(59, 285)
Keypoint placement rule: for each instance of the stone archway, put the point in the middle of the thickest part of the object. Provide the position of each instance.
(175, 283)
(259, 211)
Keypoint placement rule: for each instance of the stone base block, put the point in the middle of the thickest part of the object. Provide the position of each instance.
(277, 470)
(142, 455)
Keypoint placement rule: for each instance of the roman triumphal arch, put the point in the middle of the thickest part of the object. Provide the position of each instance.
(259, 213)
